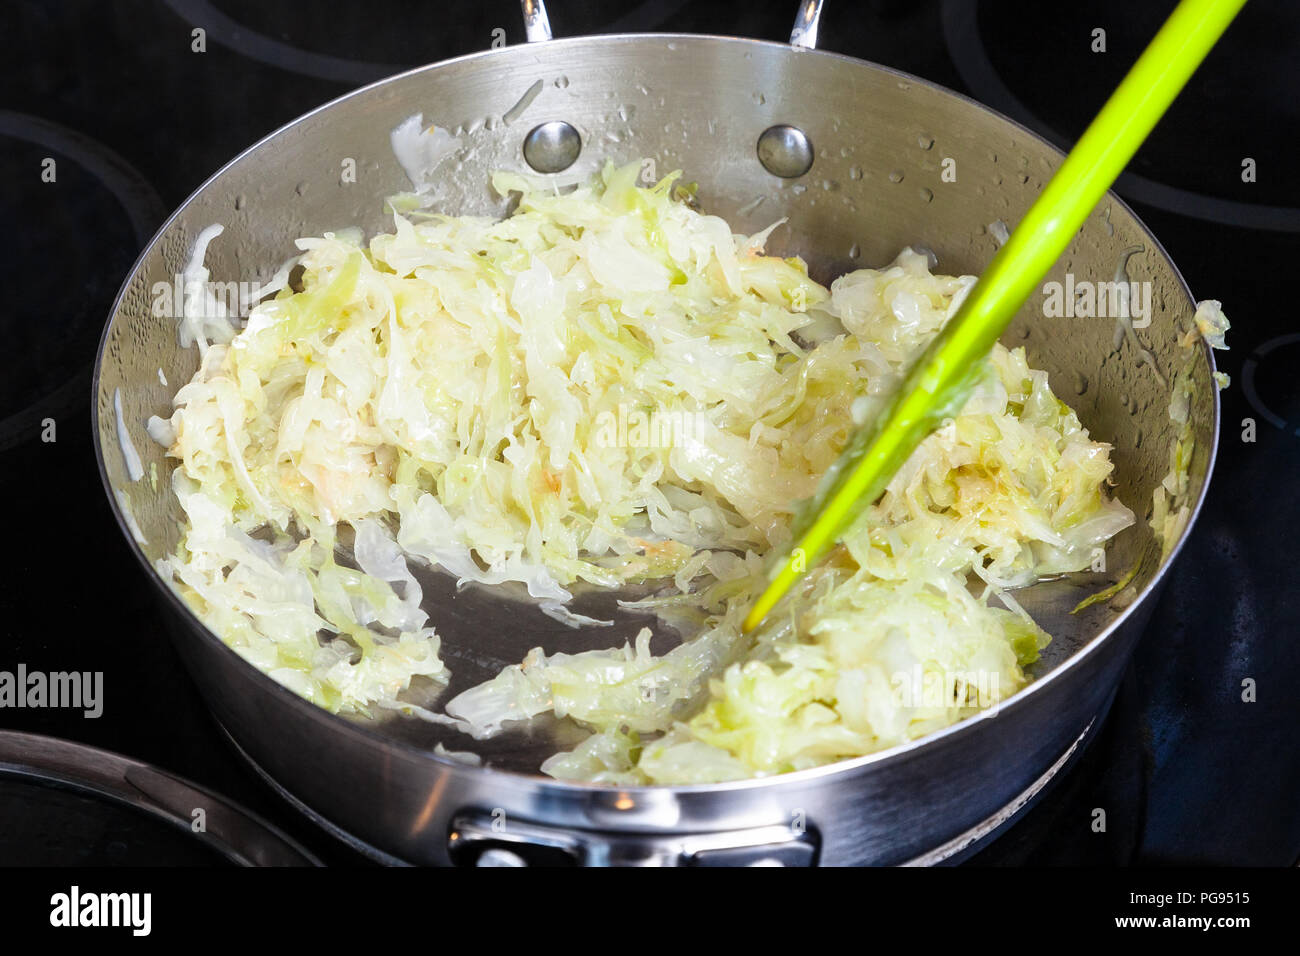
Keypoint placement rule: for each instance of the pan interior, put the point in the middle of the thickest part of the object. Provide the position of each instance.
(898, 162)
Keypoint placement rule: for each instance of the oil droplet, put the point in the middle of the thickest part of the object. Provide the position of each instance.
(896, 176)
(855, 172)
(926, 195)
(562, 83)
(925, 141)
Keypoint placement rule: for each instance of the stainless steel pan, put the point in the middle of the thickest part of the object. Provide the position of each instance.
(879, 142)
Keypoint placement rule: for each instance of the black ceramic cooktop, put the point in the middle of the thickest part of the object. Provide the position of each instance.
(135, 119)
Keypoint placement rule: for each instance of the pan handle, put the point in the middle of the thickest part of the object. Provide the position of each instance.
(804, 34)
(537, 25)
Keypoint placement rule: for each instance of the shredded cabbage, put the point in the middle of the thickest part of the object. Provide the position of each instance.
(1170, 502)
(609, 386)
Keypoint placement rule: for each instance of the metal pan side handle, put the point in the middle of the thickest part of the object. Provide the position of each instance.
(804, 34)
(537, 25)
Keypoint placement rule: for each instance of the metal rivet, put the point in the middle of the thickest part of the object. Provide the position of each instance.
(552, 147)
(785, 151)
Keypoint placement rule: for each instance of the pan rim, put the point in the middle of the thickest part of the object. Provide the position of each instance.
(848, 767)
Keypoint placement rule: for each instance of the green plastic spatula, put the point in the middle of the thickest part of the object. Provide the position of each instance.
(939, 382)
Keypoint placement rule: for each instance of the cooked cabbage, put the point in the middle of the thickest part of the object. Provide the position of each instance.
(609, 386)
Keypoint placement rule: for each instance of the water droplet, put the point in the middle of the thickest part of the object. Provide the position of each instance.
(854, 251)
(1080, 383)
(798, 189)
(844, 152)
(827, 185)
(760, 99)
(855, 172)
(1024, 178)
(926, 195)
(239, 201)
(622, 113)
(301, 189)
(562, 83)
(925, 141)
(896, 176)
